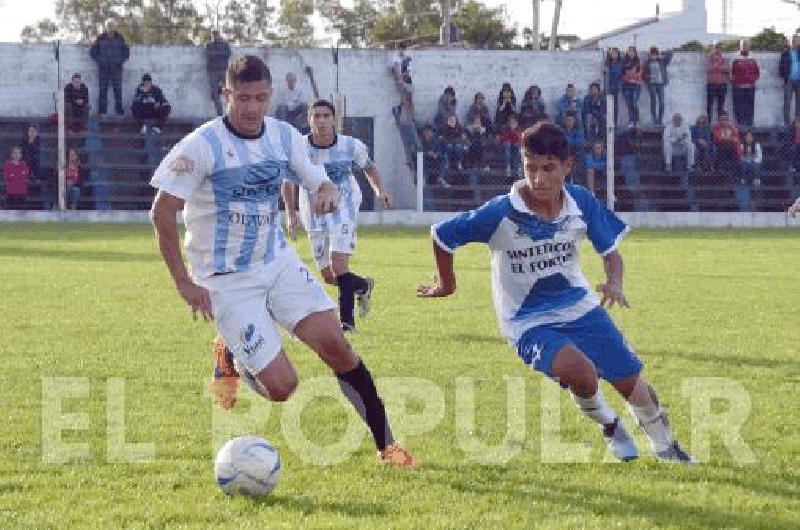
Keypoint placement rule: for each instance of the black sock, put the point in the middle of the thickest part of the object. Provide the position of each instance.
(347, 298)
(357, 283)
(359, 388)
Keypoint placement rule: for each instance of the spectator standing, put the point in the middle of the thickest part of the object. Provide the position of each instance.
(614, 71)
(726, 143)
(593, 113)
(506, 106)
(292, 105)
(749, 171)
(789, 71)
(400, 67)
(677, 140)
(656, 77)
(76, 103)
(74, 179)
(703, 141)
(446, 108)
(509, 138)
(568, 102)
(149, 104)
(632, 84)
(744, 74)
(595, 165)
(479, 108)
(718, 73)
(110, 51)
(16, 175)
(532, 108)
(218, 52)
(793, 147)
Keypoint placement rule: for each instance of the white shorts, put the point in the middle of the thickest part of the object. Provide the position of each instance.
(247, 306)
(332, 232)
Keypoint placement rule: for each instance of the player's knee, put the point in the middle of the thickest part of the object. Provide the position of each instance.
(575, 370)
(280, 391)
(338, 354)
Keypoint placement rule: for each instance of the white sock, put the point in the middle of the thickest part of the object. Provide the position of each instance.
(654, 422)
(596, 408)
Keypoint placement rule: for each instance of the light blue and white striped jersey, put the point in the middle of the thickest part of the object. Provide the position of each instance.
(536, 274)
(231, 184)
(337, 159)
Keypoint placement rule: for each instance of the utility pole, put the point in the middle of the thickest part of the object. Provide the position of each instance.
(446, 22)
(554, 28)
(536, 43)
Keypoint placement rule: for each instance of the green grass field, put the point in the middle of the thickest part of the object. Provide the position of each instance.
(95, 303)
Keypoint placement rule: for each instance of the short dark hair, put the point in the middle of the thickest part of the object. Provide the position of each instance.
(247, 69)
(595, 84)
(322, 103)
(545, 139)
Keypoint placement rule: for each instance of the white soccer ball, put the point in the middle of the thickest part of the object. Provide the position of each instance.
(247, 465)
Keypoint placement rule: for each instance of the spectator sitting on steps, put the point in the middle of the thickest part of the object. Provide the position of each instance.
(677, 140)
(16, 174)
(149, 104)
(76, 103)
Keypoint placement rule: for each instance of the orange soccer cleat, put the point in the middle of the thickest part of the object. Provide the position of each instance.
(225, 379)
(397, 456)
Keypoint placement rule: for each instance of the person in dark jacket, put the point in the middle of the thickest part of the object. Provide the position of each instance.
(506, 106)
(656, 78)
(532, 107)
(789, 71)
(110, 51)
(593, 113)
(218, 52)
(76, 102)
(615, 71)
(149, 104)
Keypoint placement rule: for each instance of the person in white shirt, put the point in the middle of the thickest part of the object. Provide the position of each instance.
(291, 104)
(226, 177)
(545, 306)
(794, 209)
(678, 140)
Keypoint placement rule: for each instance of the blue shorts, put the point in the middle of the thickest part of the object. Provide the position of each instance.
(594, 334)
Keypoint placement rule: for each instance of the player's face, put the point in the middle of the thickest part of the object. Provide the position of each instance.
(545, 175)
(247, 105)
(322, 121)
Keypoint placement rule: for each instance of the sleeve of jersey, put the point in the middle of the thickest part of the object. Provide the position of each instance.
(603, 228)
(361, 155)
(303, 171)
(474, 226)
(182, 171)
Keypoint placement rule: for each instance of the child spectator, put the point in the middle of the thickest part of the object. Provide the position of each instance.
(509, 138)
(744, 74)
(615, 71)
(447, 107)
(76, 103)
(655, 76)
(506, 106)
(749, 172)
(149, 103)
(593, 112)
(16, 174)
(718, 73)
(74, 178)
(532, 107)
(703, 141)
(595, 164)
(568, 102)
(477, 138)
(632, 84)
(453, 142)
(479, 108)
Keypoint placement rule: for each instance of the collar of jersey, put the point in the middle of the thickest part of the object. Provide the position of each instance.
(230, 128)
(311, 141)
(570, 207)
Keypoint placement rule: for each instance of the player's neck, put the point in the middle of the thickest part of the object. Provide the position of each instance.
(546, 208)
(323, 140)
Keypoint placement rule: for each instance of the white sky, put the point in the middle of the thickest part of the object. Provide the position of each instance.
(581, 17)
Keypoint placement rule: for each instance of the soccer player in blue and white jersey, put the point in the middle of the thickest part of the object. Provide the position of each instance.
(332, 236)
(226, 177)
(544, 304)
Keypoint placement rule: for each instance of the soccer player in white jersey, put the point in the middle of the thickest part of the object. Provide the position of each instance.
(332, 236)
(544, 304)
(226, 176)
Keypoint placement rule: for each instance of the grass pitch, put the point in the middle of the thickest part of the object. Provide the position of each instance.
(108, 422)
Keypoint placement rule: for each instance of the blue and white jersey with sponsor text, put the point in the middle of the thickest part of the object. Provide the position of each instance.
(231, 184)
(337, 159)
(536, 275)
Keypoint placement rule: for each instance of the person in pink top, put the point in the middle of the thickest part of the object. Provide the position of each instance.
(744, 74)
(16, 174)
(718, 73)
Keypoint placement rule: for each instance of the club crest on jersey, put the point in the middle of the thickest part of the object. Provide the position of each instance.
(251, 342)
(182, 165)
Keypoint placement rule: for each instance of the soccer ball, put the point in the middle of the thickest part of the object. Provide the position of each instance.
(247, 465)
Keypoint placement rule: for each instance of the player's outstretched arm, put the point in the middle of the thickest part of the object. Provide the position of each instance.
(287, 193)
(377, 185)
(612, 289)
(162, 214)
(445, 283)
(794, 209)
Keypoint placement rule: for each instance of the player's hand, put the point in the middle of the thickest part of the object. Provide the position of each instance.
(612, 293)
(326, 198)
(794, 209)
(385, 199)
(197, 298)
(291, 225)
(435, 290)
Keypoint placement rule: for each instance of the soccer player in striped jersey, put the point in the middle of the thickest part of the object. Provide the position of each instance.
(544, 304)
(332, 236)
(226, 177)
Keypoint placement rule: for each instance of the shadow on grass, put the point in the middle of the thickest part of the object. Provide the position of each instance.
(730, 360)
(308, 506)
(77, 254)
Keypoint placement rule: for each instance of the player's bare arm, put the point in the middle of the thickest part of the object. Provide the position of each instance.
(445, 282)
(612, 290)
(377, 185)
(165, 208)
(287, 193)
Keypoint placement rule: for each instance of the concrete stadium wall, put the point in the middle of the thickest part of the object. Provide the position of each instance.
(33, 76)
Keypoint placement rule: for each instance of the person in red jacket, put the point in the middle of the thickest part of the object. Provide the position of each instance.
(744, 74)
(16, 174)
(728, 146)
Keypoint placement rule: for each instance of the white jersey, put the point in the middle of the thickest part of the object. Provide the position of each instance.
(337, 159)
(231, 184)
(536, 274)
